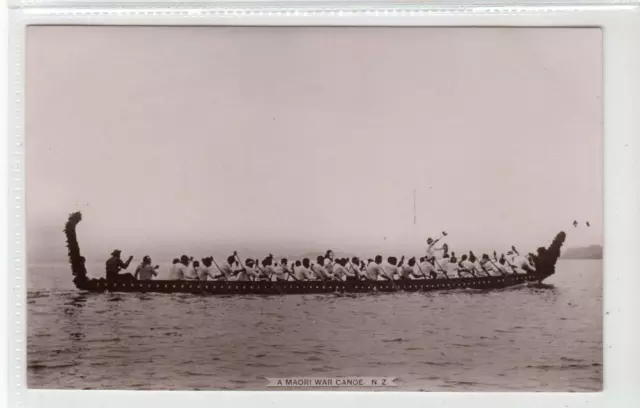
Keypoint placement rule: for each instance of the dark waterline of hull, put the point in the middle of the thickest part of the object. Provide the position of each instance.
(308, 287)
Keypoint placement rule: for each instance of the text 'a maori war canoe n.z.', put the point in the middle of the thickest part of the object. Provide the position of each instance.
(545, 267)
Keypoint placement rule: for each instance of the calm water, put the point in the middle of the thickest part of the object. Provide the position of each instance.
(525, 338)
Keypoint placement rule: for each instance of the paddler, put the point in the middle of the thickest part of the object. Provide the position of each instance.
(115, 264)
(145, 270)
(304, 271)
(520, 263)
(390, 269)
(192, 270)
(277, 270)
(407, 271)
(465, 266)
(489, 267)
(205, 271)
(426, 269)
(353, 269)
(329, 262)
(374, 269)
(320, 271)
(300, 273)
(227, 268)
(247, 272)
(339, 270)
(175, 271)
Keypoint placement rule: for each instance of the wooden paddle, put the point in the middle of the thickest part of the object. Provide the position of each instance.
(358, 275)
(511, 265)
(442, 269)
(242, 265)
(496, 266)
(421, 271)
(219, 270)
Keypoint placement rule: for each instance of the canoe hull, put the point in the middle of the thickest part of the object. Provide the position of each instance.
(309, 287)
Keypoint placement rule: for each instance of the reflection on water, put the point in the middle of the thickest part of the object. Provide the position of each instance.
(537, 337)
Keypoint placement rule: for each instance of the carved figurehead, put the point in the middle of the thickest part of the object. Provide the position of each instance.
(547, 258)
(76, 260)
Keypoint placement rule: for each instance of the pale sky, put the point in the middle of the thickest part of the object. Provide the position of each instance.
(295, 138)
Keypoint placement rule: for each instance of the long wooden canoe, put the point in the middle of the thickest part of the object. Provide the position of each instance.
(545, 267)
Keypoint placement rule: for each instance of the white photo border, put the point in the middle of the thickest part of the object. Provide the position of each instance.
(621, 279)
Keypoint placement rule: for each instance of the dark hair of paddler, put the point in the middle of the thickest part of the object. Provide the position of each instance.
(76, 260)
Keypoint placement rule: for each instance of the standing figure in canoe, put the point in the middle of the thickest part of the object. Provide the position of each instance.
(431, 246)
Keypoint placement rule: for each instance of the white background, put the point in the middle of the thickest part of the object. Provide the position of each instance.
(622, 227)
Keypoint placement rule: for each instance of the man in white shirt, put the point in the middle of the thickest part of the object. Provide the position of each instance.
(320, 270)
(442, 265)
(466, 267)
(329, 262)
(145, 270)
(192, 270)
(248, 272)
(406, 271)
(182, 271)
(175, 273)
(204, 271)
(275, 270)
(390, 268)
(227, 268)
(431, 247)
(374, 270)
(300, 273)
(303, 271)
(520, 263)
(489, 266)
(425, 269)
(339, 270)
(353, 271)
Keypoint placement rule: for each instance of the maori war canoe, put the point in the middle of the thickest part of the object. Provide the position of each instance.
(545, 267)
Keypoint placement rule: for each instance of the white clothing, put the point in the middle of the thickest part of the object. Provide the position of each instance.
(452, 269)
(204, 273)
(249, 272)
(277, 271)
(227, 270)
(405, 271)
(432, 250)
(469, 266)
(302, 273)
(328, 265)
(339, 271)
(146, 272)
(243, 274)
(178, 272)
(522, 263)
(320, 272)
(423, 269)
(190, 273)
(373, 271)
(352, 271)
(389, 270)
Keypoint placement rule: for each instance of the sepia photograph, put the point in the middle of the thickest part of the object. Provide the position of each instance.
(314, 208)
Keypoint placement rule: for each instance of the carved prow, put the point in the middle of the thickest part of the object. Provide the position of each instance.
(548, 257)
(76, 260)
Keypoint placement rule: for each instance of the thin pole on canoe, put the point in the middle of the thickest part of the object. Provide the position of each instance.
(421, 271)
(353, 268)
(288, 272)
(495, 266)
(441, 268)
(242, 265)
(219, 270)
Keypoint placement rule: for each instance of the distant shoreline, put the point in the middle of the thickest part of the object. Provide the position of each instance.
(589, 252)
